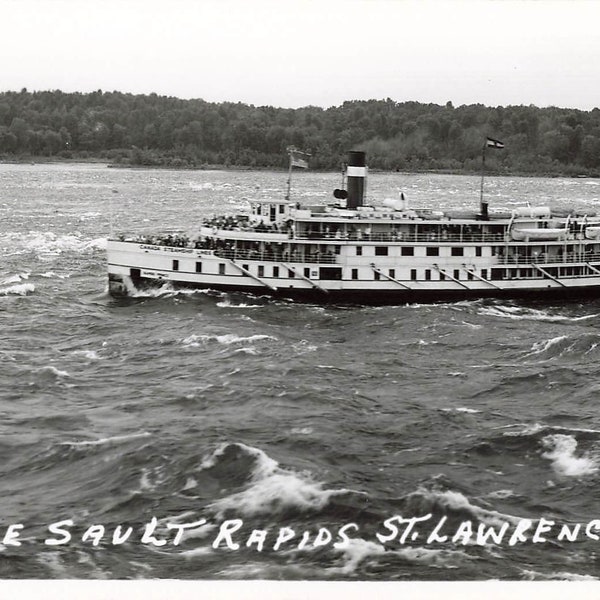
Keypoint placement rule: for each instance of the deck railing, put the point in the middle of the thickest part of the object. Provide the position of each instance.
(277, 253)
(276, 256)
(402, 237)
(547, 259)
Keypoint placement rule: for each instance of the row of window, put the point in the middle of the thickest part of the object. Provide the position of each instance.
(415, 274)
(391, 274)
(410, 251)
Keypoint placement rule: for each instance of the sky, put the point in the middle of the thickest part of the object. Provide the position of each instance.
(292, 53)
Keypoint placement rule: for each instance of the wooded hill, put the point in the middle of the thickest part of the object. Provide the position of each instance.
(132, 129)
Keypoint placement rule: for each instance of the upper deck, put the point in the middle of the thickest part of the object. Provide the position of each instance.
(279, 222)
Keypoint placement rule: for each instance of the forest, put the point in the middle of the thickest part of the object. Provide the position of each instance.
(152, 130)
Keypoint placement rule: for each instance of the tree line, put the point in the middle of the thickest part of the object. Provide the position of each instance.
(128, 129)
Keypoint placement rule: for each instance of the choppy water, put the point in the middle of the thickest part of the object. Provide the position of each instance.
(286, 422)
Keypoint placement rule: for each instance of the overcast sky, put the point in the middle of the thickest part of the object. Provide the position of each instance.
(308, 52)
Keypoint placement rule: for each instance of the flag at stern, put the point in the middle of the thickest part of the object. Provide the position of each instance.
(297, 158)
(492, 143)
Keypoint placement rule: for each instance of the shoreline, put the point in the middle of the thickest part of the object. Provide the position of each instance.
(33, 160)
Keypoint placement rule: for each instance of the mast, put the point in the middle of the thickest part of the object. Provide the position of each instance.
(483, 206)
(297, 159)
(491, 143)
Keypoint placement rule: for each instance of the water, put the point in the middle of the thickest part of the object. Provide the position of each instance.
(300, 427)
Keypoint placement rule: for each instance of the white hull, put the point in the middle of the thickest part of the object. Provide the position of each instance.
(131, 265)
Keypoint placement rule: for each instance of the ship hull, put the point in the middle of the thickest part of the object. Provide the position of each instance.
(124, 286)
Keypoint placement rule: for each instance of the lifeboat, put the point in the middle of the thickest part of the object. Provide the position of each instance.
(538, 234)
(592, 233)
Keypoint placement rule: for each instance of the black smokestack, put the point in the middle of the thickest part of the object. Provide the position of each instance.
(357, 178)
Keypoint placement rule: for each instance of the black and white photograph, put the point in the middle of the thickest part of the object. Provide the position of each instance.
(299, 298)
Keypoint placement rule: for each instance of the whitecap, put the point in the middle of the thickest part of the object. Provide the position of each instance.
(228, 304)
(500, 494)
(20, 289)
(89, 354)
(541, 347)
(250, 350)
(303, 346)
(54, 371)
(96, 244)
(301, 430)
(190, 484)
(194, 552)
(526, 430)
(532, 575)
(455, 501)
(108, 440)
(48, 242)
(145, 483)
(271, 487)
(461, 409)
(226, 339)
(519, 314)
(52, 274)
(15, 278)
(355, 552)
(166, 289)
(246, 570)
(561, 451)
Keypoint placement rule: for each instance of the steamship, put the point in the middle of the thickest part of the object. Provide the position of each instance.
(353, 251)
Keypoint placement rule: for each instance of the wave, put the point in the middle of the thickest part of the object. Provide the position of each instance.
(17, 278)
(561, 451)
(250, 350)
(520, 313)
(501, 495)
(533, 444)
(49, 243)
(20, 289)
(450, 502)
(226, 339)
(563, 345)
(356, 552)
(545, 345)
(89, 354)
(53, 372)
(165, 290)
(269, 490)
(301, 430)
(117, 439)
(53, 275)
(532, 575)
(304, 346)
(228, 304)
(535, 429)
(458, 305)
(96, 244)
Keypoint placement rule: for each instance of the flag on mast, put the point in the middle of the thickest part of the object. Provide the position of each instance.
(492, 143)
(298, 159)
